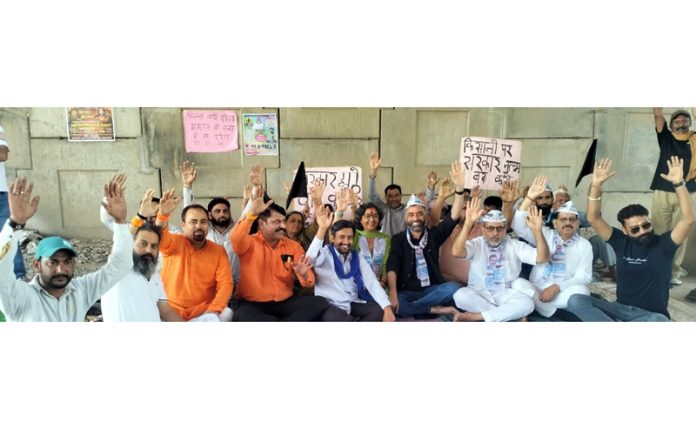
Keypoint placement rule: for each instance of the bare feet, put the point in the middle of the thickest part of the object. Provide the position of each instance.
(441, 309)
(524, 319)
(468, 317)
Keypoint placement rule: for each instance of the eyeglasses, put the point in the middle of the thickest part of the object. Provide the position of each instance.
(567, 219)
(647, 226)
(371, 216)
(495, 228)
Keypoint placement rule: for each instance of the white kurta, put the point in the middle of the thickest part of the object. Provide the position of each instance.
(341, 293)
(134, 299)
(578, 268)
(514, 301)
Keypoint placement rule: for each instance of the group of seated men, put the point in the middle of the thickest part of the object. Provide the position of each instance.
(213, 269)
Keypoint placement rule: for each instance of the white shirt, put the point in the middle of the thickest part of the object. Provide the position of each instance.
(134, 299)
(578, 257)
(340, 292)
(516, 253)
(29, 302)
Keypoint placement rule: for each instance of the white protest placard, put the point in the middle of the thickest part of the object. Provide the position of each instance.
(490, 162)
(335, 178)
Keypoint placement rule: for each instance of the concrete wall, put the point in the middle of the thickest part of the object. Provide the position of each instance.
(412, 141)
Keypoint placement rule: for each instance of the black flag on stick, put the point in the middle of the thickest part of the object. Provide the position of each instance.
(588, 166)
(299, 185)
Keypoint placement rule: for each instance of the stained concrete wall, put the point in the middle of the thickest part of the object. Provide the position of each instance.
(412, 141)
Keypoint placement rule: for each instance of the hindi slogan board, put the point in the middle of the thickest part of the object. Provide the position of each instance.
(490, 162)
(260, 131)
(210, 130)
(90, 124)
(335, 178)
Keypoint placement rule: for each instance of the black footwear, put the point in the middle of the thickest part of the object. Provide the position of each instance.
(691, 296)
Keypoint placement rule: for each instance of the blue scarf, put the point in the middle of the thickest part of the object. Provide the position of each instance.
(354, 272)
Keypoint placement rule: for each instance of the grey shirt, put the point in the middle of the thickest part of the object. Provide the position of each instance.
(393, 221)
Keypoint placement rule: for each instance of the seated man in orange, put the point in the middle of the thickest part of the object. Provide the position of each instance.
(269, 264)
(195, 271)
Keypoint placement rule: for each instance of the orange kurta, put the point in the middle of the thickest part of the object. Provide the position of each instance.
(266, 272)
(195, 280)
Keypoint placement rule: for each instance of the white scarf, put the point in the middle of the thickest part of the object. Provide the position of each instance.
(495, 266)
(421, 264)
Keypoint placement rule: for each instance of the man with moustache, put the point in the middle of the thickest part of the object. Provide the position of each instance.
(676, 140)
(393, 209)
(139, 296)
(195, 271)
(569, 270)
(644, 258)
(53, 295)
(344, 278)
(271, 263)
(495, 292)
(416, 284)
(218, 213)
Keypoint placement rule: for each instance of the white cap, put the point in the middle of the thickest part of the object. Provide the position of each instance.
(414, 201)
(493, 216)
(568, 207)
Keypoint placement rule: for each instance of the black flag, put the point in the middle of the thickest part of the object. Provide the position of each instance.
(299, 185)
(588, 165)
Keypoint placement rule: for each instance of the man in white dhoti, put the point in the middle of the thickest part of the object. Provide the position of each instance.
(495, 292)
(569, 270)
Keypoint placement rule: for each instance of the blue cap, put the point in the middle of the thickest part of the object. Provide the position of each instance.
(50, 245)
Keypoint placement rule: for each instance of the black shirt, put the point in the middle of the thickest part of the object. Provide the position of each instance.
(669, 146)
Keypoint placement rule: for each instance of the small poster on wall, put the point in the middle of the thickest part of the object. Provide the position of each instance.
(490, 162)
(90, 124)
(210, 130)
(260, 131)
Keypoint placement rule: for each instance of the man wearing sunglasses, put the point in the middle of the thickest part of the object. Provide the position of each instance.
(644, 258)
(569, 271)
(676, 140)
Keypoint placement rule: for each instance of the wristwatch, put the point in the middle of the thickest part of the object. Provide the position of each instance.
(14, 225)
(678, 184)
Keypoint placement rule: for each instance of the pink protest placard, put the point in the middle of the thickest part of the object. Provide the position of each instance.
(490, 162)
(210, 130)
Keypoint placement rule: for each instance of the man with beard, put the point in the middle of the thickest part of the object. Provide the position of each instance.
(495, 292)
(644, 258)
(139, 296)
(195, 271)
(270, 264)
(218, 213)
(53, 295)
(393, 209)
(416, 284)
(679, 141)
(344, 278)
(570, 269)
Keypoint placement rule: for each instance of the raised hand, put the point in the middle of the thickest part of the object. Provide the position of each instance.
(324, 218)
(446, 189)
(602, 172)
(317, 191)
(148, 208)
(258, 206)
(676, 170)
(22, 205)
(115, 203)
(256, 175)
(188, 173)
(432, 180)
(375, 162)
(537, 187)
(302, 266)
(168, 202)
(458, 175)
(473, 210)
(353, 199)
(476, 191)
(341, 199)
(509, 191)
(534, 220)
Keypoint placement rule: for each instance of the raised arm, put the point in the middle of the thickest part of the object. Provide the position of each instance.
(446, 190)
(458, 177)
(375, 162)
(659, 119)
(188, 176)
(509, 192)
(535, 222)
(473, 213)
(602, 172)
(676, 175)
